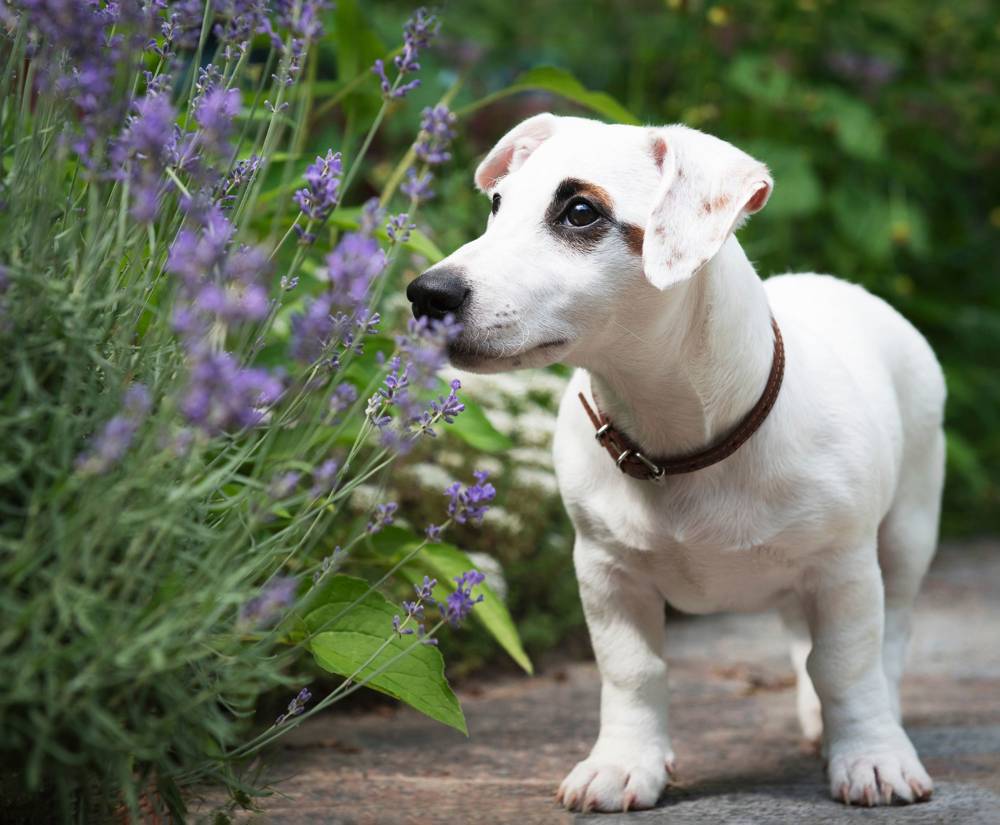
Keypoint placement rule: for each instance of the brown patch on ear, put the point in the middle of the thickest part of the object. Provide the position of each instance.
(659, 151)
(708, 207)
(634, 236)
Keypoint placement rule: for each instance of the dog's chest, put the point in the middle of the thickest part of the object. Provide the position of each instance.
(704, 553)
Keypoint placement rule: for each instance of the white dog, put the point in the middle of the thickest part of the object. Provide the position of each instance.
(611, 248)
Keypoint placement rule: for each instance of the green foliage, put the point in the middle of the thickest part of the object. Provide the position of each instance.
(350, 639)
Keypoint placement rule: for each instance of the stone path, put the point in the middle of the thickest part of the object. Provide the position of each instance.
(733, 716)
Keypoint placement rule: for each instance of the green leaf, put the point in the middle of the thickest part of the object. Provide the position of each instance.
(359, 630)
(854, 124)
(560, 82)
(761, 79)
(445, 562)
(474, 428)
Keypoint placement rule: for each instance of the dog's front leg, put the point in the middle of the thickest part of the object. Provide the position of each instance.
(628, 766)
(871, 759)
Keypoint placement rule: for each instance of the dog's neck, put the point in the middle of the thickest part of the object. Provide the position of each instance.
(683, 366)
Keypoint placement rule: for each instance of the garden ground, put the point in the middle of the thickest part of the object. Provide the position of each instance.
(739, 756)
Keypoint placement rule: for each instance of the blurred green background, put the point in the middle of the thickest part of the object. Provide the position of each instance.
(880, 122)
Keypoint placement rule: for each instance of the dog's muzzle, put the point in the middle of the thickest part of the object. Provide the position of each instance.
(437, 293)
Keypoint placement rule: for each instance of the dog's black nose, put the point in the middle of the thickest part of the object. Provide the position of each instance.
(437, 293)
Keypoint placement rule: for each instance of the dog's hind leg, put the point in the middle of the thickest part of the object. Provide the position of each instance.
(907, 539)
(800, 643)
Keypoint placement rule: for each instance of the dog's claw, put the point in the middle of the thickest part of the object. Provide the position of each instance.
(845, 794)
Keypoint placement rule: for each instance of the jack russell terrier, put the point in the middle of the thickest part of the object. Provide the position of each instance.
(771, 444)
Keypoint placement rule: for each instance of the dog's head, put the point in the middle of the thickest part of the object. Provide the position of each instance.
(585, 218)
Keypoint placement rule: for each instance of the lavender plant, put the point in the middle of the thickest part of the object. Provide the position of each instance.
(189, 402)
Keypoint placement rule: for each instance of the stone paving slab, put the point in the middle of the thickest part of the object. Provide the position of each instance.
(733, 715)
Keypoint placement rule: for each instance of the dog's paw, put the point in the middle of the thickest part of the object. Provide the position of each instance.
(878, 775)
(622, 781)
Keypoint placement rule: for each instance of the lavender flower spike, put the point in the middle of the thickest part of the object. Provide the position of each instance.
(111, 444)
(296, 706)
(436, 135)
(470, 504)
(274, 597)
(322, 193)
(459, 604)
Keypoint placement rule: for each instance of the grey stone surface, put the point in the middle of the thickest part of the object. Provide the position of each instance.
(739, 755)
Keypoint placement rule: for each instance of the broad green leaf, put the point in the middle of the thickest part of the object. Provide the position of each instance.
(560, 82)
(350, 634)
(445, 562)
(474, 428)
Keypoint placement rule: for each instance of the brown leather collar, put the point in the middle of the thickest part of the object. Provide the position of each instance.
(630, 459)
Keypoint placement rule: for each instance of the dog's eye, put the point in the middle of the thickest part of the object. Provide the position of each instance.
(495, 207)
(580, 213)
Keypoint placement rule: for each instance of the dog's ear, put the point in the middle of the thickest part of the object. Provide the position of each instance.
(514, 149)
(707, 189)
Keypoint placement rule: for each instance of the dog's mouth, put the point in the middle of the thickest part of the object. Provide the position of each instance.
(487, 358)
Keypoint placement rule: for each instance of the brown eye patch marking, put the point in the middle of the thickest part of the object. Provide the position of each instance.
(581, 238)
(634, 236)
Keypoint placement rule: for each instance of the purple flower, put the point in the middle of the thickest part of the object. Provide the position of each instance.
(218, 283)
(301, 17)
(313, 330)
(372, 216)
(214, 114)
(398, 228)
(425, 590)
(147, 146)
(445, 408)
(351, 267)
(222, 395)
(240, 19)
(436, 135)
(459, 603)
(394, 386)
(82, 49)
(433, 532)
(322, 192)
(413, 609)
(343, 396)
(324, 478)
(424, 347)
(242, 173)
(382, 517)
(398, 629)
(378, 69)
(110, 445)
(274, 597)
(284, 485)
(470, 504)
(418, 187)
(417, 34)
(296, 706)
